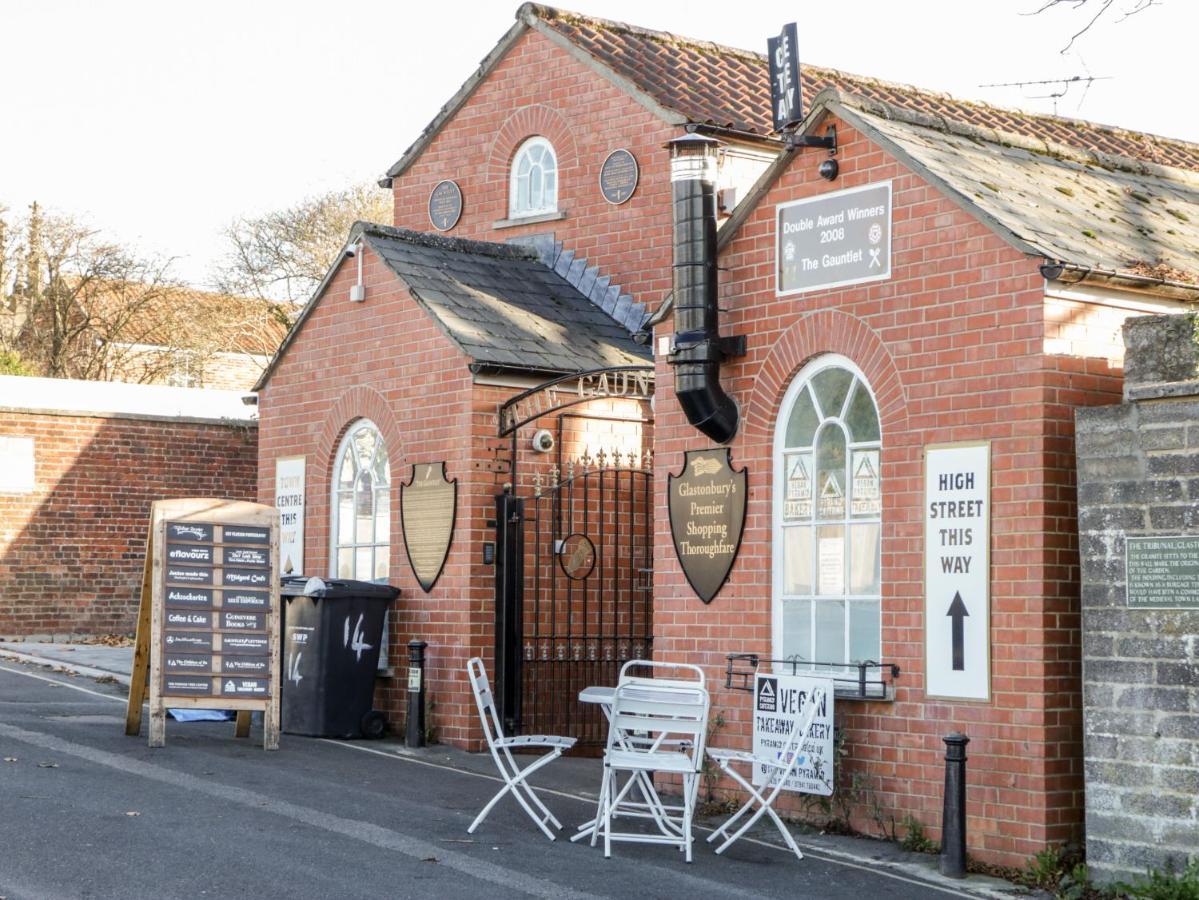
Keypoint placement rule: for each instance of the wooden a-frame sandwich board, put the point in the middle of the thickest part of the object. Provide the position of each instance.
(208, 624)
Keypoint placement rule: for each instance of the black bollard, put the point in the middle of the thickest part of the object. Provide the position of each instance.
(953, 819)
(414, 729)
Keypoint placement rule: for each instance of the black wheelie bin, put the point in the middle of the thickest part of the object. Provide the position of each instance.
(332, 631)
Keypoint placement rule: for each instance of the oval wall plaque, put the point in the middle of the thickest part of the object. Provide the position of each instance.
(577, 556)
(445, 205)
(618, 176)
(707, 515)
(427, 507)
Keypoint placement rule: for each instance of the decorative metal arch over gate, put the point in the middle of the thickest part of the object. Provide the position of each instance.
(574, 579)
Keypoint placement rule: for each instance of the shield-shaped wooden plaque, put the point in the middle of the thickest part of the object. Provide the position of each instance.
(427, 508)
(707, 517)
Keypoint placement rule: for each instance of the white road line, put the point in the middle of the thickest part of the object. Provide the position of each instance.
(351, 828)
(65, 684)
(822, 854)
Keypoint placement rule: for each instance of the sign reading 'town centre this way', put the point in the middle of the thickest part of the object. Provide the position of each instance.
(957, 566)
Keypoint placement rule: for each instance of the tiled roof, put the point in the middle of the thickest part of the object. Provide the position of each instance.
(183, 316)
(501, 305)
(725, 87)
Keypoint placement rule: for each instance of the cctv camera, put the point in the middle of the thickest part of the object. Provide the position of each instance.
(543, 441)
(350, 251)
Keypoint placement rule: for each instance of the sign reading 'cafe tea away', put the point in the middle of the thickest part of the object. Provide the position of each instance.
(707, 516)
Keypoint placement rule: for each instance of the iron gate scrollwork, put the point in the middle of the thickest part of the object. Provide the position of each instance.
(574, 585)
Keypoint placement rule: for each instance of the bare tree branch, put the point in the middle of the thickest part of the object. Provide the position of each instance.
(1100, 9)
(283, 255)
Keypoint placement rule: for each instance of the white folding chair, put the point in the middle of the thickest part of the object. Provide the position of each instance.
(657, 725)
(779, 768)
(501, 751)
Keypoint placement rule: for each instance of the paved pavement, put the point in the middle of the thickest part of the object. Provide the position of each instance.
(91, 813)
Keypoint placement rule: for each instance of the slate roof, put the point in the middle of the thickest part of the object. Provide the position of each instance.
(501, 305)
(1083, 208)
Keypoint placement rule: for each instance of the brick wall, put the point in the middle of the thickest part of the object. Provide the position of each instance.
(347, 364)
(952, 346)
(1138, 472)
(539, 89)
(71, 552)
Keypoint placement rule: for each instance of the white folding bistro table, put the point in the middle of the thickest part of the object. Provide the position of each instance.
(652, 807)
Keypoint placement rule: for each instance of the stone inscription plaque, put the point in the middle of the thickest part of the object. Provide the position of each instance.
(427, 508)
(445, 205)
(619, 176)
(707, 515)
(1162, 572)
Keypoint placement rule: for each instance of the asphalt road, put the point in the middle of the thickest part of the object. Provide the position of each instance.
(86, 812)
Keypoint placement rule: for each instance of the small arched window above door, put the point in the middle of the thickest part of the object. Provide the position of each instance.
(533, 184)
(361, 526)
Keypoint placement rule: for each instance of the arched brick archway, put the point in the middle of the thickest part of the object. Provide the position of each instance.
(526, 122)
(359, 402)
(827, 331)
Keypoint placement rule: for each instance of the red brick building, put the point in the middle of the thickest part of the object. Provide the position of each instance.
(983, 306)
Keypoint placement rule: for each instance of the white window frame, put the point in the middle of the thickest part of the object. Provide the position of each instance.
(335, 524)
(550, 204)
(778, 569)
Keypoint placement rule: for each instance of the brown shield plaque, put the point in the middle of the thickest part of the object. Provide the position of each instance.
(427, 507)
(707, 515)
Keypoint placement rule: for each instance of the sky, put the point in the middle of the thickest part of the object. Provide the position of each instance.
(160, 122)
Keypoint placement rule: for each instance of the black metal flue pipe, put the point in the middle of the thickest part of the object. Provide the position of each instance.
(697, 353)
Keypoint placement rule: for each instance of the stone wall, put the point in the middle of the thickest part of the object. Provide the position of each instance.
(1138, 475)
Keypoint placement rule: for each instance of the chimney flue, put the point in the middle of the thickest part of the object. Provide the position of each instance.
(697, 346)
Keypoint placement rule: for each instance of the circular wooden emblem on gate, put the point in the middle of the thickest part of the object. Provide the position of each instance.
(619, 176)
(445, 205)
(577, 556)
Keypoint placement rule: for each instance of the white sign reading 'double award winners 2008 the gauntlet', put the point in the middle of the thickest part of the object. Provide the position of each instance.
(834, 239)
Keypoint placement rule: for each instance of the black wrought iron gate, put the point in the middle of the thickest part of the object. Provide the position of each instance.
(573, 590)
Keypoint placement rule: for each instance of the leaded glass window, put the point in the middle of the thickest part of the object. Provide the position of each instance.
(361, 505)
(828, 518)
(533, 187)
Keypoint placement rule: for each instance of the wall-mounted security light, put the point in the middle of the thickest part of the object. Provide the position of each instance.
(358, 291)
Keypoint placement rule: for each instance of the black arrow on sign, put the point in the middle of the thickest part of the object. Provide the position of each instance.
(957, 609)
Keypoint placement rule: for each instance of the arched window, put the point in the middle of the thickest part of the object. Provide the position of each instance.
(828, 517)
(361, 526)
(533, 187)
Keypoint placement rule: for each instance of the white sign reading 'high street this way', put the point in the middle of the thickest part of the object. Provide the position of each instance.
(957, 566)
